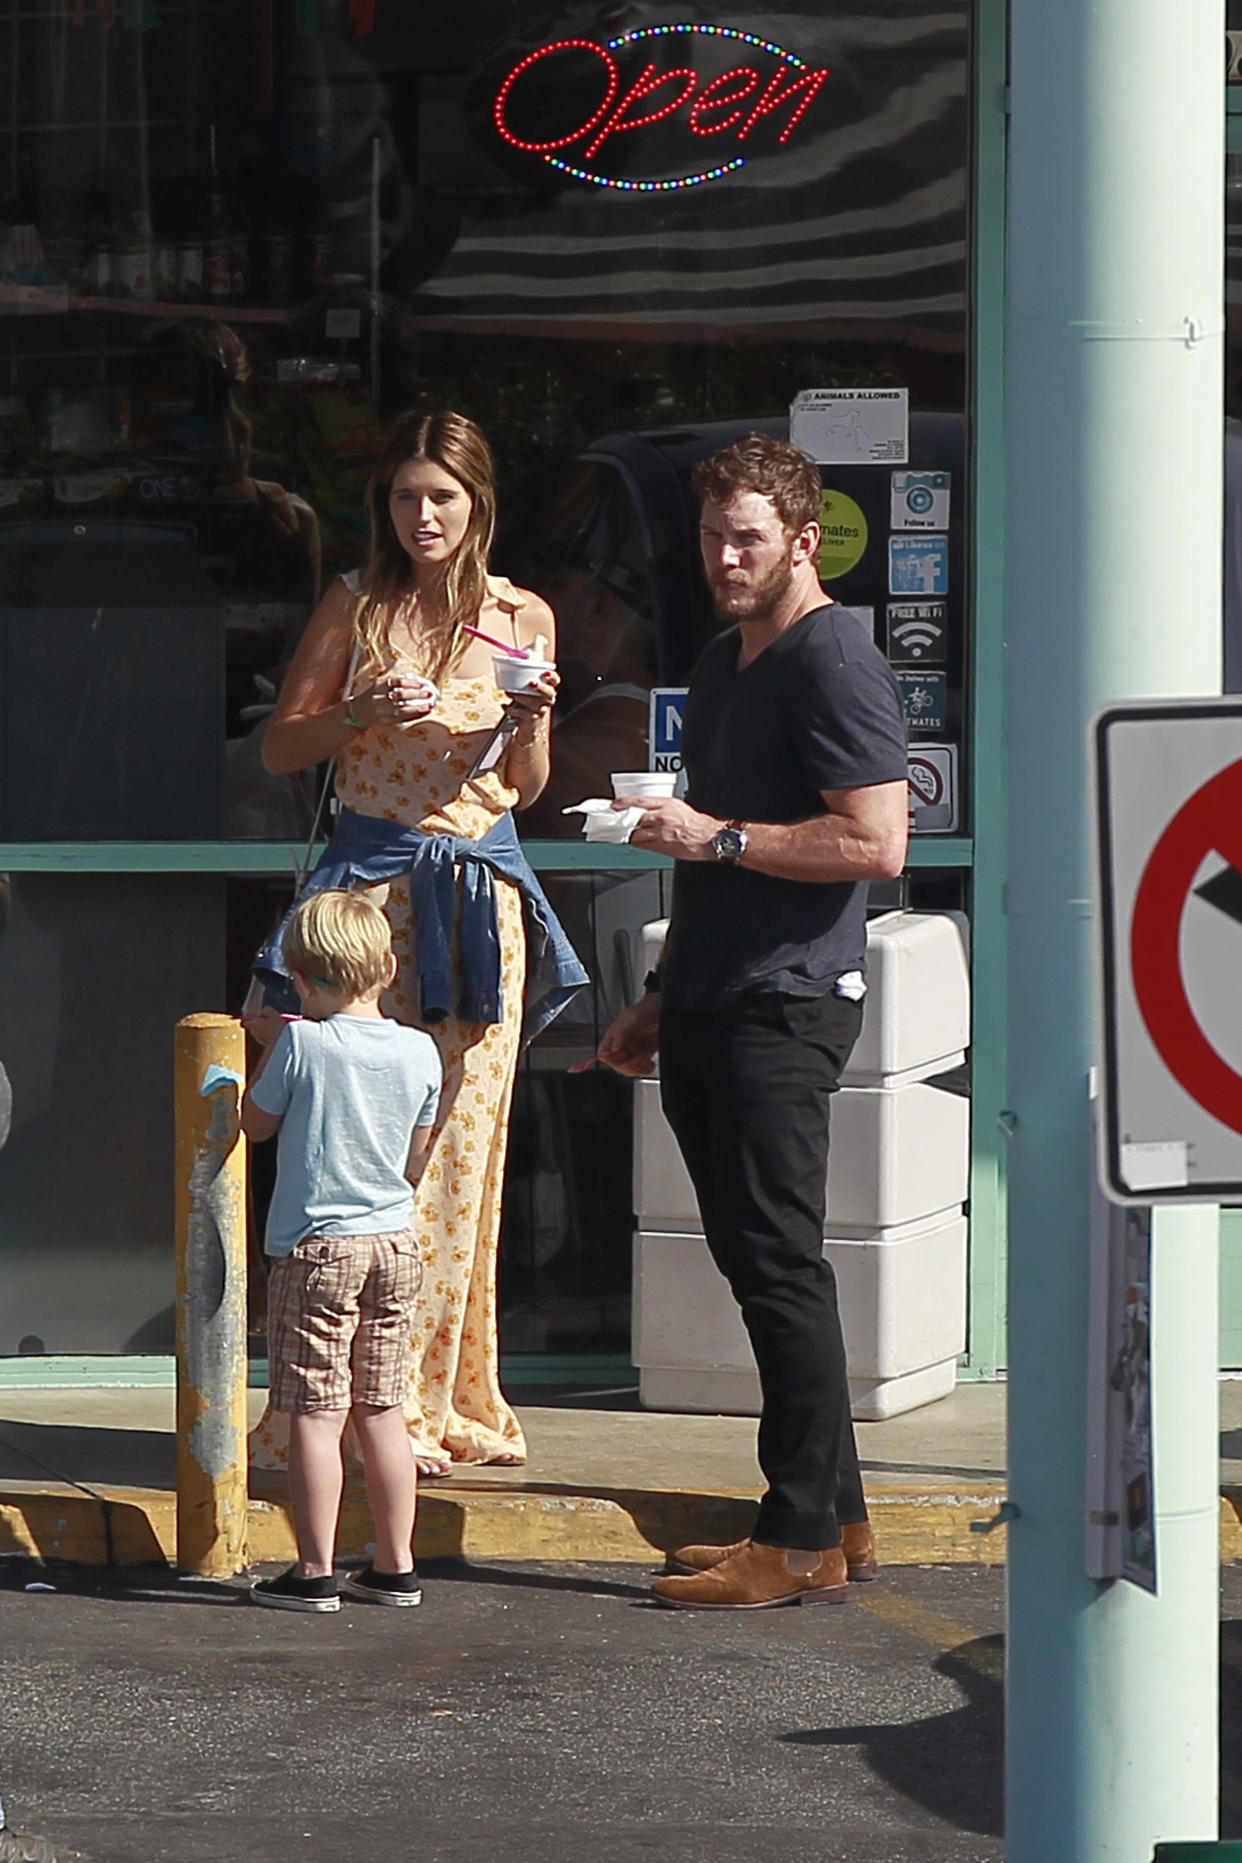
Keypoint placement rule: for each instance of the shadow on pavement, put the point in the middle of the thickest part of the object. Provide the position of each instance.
(952, 1764)
(161, 1584)
(130, 1584)
(101, 1457)
(525, 1578)
(919, 1471)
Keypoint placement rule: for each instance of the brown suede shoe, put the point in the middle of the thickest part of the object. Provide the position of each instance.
(701, 1558)
(857, 1543)
(754, 1578)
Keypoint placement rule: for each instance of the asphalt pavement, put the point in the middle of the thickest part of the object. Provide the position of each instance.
(540, 1714)
(549, 1714)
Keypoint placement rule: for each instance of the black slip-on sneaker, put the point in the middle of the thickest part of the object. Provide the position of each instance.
(384, 1587)
(291, 1593)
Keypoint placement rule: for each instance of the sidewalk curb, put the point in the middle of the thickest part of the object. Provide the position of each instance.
(916, 1522)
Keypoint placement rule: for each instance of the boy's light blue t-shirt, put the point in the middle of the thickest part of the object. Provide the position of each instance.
(350, 1091)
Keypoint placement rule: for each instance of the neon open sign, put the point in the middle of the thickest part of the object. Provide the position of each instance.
(778, 88)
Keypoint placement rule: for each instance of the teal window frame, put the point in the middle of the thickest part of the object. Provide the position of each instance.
(276, 858)
(1233, 119)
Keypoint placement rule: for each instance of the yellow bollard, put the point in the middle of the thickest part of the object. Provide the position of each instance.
(211, 1298)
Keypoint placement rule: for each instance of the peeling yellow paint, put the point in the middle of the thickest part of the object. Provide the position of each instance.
(211, 1301)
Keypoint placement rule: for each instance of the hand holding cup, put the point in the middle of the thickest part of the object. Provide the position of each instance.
(531, 682)
(398, 698)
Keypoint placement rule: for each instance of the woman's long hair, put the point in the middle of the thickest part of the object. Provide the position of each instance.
(454, 443)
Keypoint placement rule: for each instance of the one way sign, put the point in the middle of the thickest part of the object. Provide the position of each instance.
(1168, 784)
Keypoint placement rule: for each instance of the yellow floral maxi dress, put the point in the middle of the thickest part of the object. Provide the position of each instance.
(417, 774)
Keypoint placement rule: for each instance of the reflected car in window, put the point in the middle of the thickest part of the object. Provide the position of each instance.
(609, 538)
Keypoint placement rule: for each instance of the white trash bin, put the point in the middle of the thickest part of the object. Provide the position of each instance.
(895, 1231)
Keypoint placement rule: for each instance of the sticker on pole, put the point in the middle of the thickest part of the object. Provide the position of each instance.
(1168, 782)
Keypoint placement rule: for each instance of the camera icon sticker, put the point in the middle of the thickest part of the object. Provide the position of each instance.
(919, 500)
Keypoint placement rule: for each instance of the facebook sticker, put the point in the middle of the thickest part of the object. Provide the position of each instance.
(918, 565)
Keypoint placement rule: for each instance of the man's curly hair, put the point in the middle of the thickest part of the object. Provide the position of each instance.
(761, 463)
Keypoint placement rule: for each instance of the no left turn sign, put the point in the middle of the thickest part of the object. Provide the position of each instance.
(1169, 834)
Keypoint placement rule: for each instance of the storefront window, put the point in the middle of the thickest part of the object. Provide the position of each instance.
(238, 237)
(95, 971)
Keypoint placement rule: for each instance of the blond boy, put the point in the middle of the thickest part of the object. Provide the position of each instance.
(352, 1096)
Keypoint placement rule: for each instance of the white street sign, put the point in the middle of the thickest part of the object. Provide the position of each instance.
(1168, 807)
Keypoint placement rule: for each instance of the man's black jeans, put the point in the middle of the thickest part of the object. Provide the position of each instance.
(746, 1091)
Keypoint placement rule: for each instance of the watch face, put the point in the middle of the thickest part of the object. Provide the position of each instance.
(729, 844)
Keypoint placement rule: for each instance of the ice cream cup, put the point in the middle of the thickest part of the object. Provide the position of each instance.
(514, 675)
(644, 782)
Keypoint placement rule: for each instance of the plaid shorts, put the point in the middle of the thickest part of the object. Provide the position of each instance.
(339, 1315)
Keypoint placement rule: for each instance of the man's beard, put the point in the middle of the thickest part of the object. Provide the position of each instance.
(756, 600)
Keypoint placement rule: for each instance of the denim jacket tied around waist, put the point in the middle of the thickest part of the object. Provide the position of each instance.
(366, 851)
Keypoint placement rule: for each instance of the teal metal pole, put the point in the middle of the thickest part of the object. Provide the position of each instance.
(986, 1308)
(1113, 414)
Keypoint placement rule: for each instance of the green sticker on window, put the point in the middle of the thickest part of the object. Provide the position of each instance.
(844, 542)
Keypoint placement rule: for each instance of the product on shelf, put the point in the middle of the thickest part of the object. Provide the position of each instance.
(189, 242)
(133, 254)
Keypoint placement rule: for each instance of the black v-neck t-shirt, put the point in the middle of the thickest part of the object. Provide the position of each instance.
(818, 709)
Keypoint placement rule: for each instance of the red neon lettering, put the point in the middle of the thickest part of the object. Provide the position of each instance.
(773, 97)
(650, 81)
(705, 101)
(561, 45)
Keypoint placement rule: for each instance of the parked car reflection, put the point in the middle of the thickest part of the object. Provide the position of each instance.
(609, 537)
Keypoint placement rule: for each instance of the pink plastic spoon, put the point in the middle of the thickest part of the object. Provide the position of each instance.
(514, 653)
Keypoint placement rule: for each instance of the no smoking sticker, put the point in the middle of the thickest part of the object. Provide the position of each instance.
(932, 776)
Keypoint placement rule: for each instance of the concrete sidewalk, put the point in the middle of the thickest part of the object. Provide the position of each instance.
(89, 1475)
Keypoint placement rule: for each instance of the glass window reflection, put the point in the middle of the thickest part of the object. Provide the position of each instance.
(236, 239)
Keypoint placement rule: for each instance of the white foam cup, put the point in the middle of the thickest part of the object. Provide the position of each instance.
(644, 782)
(514, 675)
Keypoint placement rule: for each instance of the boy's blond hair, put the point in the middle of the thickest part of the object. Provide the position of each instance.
(341, 940)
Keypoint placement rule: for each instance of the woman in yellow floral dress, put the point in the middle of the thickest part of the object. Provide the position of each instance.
(406, 756)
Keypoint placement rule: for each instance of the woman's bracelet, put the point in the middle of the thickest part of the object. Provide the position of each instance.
(536, 741)
(352, 718)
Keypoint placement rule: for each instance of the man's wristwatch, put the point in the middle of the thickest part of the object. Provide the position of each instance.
(730, 843)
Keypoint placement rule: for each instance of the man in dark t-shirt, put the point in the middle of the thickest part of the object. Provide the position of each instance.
(794, 747)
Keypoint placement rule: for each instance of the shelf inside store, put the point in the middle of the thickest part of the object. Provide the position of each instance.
(26, 301)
